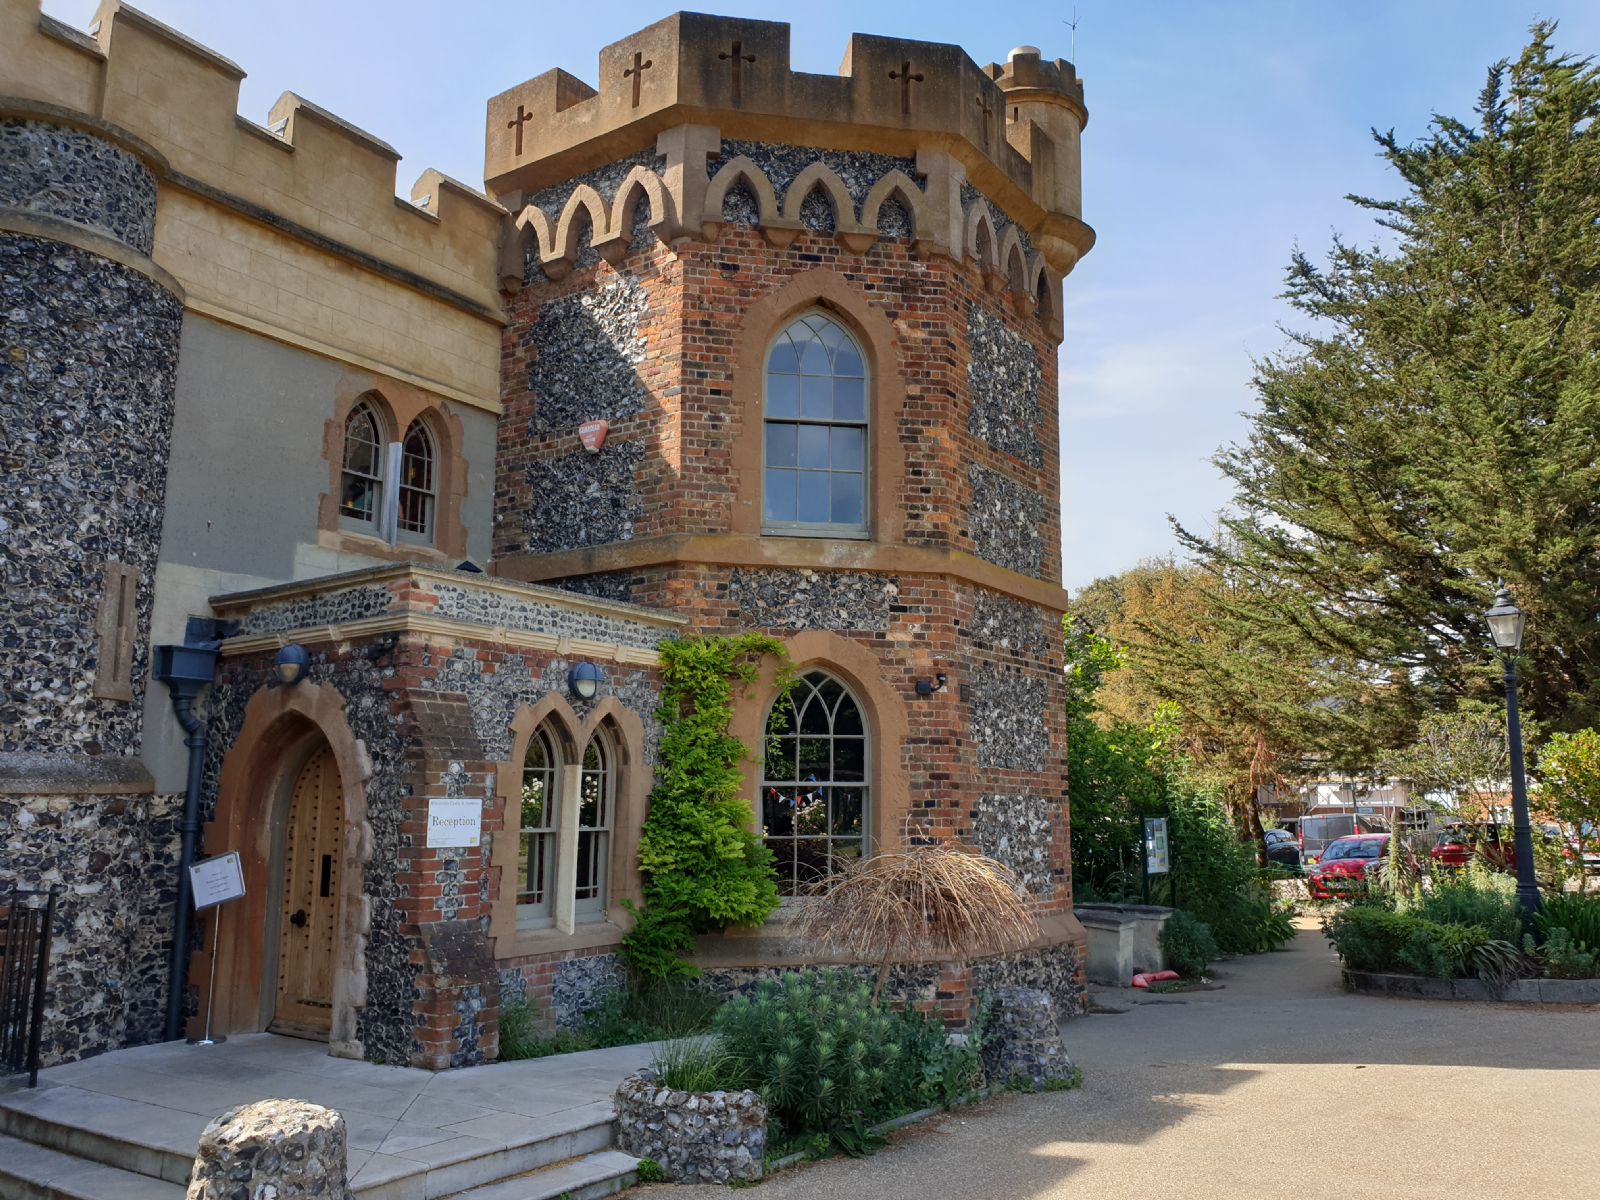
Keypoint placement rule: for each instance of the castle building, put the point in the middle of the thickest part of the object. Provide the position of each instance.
(401, 497)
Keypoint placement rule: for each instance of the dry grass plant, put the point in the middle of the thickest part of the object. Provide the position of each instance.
(918, 904)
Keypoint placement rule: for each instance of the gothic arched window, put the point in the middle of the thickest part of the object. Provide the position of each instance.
(596, 800)
(418, 484)
(815, 474)
(815, 802)
(361, 480)
(536, 860)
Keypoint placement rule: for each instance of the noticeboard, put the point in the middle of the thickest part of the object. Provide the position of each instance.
(1157, 851)
(216, 880)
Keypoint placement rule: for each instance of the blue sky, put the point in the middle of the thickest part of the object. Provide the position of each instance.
(1220, 135)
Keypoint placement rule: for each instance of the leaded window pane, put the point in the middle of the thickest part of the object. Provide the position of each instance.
(814, 796)
(361, 480)
(540, 814)
(595, 803)
(418, 486)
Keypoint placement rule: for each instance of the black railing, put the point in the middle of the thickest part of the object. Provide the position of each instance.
(25, 920)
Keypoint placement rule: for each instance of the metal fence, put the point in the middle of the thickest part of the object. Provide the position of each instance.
(25, 921)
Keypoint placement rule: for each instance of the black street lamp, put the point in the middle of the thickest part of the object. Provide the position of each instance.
(1505, 621)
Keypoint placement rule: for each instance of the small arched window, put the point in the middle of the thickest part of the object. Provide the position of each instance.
(418, 484)
(536, 862)
(815, 808)
(361, 482)
(815, 475)
(596, 801)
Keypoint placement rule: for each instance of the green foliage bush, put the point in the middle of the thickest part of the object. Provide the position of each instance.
(1373, 937)
(702, 866)
(1564, 958)
(1188, 943)
(1478, 897)
(827, 1060)
(623, 1017)
(1577, 914)
(696, 1064)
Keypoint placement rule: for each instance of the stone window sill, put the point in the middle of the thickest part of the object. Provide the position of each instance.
(527, 943)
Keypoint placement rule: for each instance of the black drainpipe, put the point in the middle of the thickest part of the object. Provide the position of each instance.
(185, 670)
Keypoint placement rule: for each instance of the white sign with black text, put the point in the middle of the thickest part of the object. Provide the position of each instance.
(454, 821)
(216, 880)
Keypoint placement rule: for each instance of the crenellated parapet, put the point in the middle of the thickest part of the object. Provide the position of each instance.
(262, 223)
(674, 97)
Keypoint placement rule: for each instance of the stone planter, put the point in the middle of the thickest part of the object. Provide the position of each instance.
(1124, 939)
(1518, 991)
(694, 1137)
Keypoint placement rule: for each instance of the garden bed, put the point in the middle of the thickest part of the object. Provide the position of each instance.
(1518, 991)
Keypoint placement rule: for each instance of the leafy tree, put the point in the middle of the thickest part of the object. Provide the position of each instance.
(1569, 782)
(1460, 757)
(1437, 424)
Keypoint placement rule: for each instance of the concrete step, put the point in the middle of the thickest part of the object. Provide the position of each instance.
(33, 1172)
(588, 1177)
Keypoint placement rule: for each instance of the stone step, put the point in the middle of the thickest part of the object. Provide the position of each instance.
(32, 1172)
(588, 1177)
(133, 1137)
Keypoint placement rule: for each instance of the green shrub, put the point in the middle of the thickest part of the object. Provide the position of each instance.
(1564, 958)
(1579, 915)
(1478, 896)
(825, 1059)
(649, 1171)
(703, 867)
(520, 1036)
(696, 1064)
(650, 1011)
(1371, 937)
(1188, 944)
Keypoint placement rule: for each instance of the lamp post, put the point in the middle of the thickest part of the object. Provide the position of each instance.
(1505, 622)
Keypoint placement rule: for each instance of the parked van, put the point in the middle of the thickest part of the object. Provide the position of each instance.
(1319, 829)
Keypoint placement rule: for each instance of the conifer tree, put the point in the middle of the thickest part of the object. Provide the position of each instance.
(1434, 428)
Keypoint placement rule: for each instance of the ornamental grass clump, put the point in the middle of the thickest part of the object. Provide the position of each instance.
(920, 904)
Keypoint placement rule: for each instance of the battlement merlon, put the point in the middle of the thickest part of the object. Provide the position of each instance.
(891, 95)
(311, 172)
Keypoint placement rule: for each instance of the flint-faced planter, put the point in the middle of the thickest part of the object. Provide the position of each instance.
(695, 1137)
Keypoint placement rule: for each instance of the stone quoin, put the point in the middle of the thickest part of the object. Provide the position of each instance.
(720, 346)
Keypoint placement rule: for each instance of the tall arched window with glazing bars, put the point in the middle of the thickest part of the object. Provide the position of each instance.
(815, 796)
(815, 431)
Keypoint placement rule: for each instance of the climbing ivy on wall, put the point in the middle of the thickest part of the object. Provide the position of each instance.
(703, 868)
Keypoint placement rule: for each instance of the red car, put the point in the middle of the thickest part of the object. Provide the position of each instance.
(1343, 868)
(1458, 845)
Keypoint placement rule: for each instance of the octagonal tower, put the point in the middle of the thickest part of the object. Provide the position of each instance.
(812, 323)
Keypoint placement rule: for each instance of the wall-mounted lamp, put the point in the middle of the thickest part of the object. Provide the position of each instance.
(584, 680)
(925, 688)
(291, 664)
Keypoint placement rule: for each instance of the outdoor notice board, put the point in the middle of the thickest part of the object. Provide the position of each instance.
(454, 821)
(1157, 853)
(216, 880)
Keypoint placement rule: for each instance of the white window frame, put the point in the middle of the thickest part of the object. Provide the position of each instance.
(385, 522)
(562, 909)
(423, 537)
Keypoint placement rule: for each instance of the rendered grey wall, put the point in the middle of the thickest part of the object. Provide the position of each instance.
(247, 475)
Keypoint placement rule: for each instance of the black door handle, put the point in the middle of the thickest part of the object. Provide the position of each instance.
(299, 919)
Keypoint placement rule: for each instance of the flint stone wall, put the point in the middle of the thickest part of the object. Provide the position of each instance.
(588, 348)
(1008, 719)
(803, 599)
(1004, 521)
(1022, 1045)
(1053, 969)
(1018, 832)
(584, 499)
(66, 173)
(695, 1137)
(272, 1150)
(1003, 380)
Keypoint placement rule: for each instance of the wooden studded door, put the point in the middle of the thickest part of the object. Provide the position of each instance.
(309, 915)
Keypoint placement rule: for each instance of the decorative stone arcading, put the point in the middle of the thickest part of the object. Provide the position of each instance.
(272, 1150)
(66, 173)
(1022, 1045)
(694, 1137)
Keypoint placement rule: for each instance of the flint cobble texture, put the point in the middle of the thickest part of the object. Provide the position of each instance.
(272, 1150)
(1022, 1046)
(695, 1137)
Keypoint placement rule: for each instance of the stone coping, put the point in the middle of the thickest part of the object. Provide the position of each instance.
(230, 602)
(26, 774)
(1519, 991)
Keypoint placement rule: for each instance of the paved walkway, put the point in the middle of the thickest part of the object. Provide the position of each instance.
(1278, 1086)
(396, 1117)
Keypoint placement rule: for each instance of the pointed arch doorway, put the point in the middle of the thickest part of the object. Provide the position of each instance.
(308, 901)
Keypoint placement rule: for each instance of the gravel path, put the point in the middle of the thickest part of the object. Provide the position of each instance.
(1278, 1085)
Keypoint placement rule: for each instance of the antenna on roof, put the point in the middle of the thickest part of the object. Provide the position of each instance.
(1073, 25)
